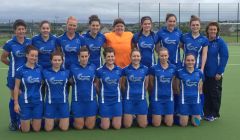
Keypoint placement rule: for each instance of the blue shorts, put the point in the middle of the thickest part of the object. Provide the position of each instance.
(84, 109)
(10, 82)
(109, 110)
(56, 110)
(190, 109)
(135, 107)
(31, 111)
(159, 108)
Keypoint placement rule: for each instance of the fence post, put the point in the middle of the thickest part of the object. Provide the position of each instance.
(159, 15)
(118, 9)
(179, 15)
(218, 12)
(237, 22)
(199, 6)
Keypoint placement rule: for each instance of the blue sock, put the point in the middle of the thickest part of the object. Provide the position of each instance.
(13, 114)
(202, 103)
(176, 119)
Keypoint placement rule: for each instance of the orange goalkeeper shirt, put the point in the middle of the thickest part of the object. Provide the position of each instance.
(122, 47)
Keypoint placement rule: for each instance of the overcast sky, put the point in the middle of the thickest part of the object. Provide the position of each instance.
(108, 9)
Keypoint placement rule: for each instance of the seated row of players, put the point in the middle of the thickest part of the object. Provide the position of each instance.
(121, 92)
(146, 41)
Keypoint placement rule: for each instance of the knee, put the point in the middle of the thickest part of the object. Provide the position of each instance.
(63, 128)
(78, 126)
(25, 129)
(183, 123)
(48, 128)
(104, 126)
(169, 123)
(156, 123)
(90, 125)
(127, 124)
(143, 124)
(117, 126)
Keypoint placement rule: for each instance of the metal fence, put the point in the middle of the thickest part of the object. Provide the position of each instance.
(227, 14)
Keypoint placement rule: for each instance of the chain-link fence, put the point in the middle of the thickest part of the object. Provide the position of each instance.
(227, 14)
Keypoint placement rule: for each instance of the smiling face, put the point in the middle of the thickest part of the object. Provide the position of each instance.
(32, 57)
(190, 61)
(45, 30)
(119, 28)
(195, 26)
(212, 32)
(72, 25)
(171, 22)
(135, 57)
(56, 61)
(20, 31)
(94, 27)
(110, 58)
(147, 25)
(83, 58)
(163, 56)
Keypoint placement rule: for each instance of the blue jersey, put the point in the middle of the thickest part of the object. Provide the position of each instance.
(194, 46)
(83, 87)
(217, 57)
(189, 86)
(146, 45)
(110, 86)
(94, 45)
(70, 48)
(17, 54)
(135, 82)
(31, 82)
(162, 91)
(45, 49)
(56, 85)
(171, 40)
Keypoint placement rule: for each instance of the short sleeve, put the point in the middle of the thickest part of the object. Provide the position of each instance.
(206, 42)
(98, 73)
(7, 47)
(151, 71)
(19, 74)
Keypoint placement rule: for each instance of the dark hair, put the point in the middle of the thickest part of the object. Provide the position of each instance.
(135, 50)
(83, 49)
(117, 21)
(108, 50)
(140, 32)
(213, 24)
(19, 22)
(43, 22)
(188, 54)
(194, 18)
(56, 53)
(30, 48)
(170, 15)
(93, 18)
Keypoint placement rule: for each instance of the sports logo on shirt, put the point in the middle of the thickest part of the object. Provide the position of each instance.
(44, 51)
(83, 78)
(164, 79)
(20, 54)
(69, 48)
(190, 83)
(169, 41)
(53, 81)
(33, 80)
(92, 47)
(135, 79)
(110, 81)
(190, 47)
(146, 45)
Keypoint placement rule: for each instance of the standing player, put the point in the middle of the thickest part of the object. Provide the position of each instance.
(216, 62)
(134, 85)
(46, 44)
(108, 79)
(56, 104)
(121, 41)
(84, 103)
(14, 56)
(189, 83)
(169, 37)
(28, 101)
(195, 43)
(70, 43)
(94, 40)
(161, 80)
(145, 41)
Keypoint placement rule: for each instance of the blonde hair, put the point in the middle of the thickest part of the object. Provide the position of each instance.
(71, 18)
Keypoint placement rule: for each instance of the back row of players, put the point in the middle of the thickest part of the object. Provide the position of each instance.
(121, 83)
